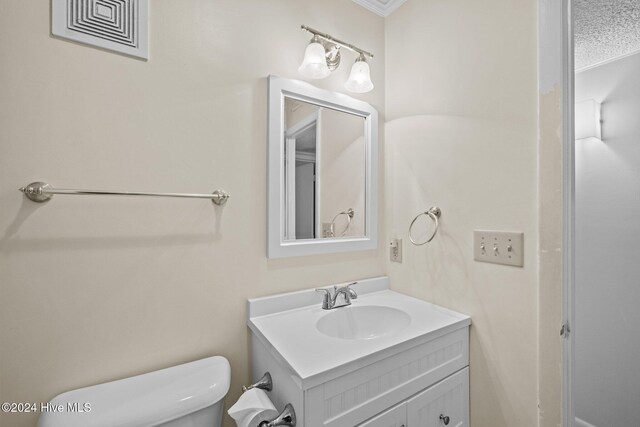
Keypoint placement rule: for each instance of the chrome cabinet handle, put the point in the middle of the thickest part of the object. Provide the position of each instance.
(445, 420)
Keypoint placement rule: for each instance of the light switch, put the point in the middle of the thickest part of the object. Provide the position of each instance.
(498, 247)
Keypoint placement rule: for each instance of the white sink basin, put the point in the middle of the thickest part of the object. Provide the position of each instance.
(362, 322)
(313, 343)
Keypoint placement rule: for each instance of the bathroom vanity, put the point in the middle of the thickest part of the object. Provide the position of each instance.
(386, 360)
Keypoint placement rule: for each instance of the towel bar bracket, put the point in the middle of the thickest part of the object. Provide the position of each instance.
(37, 192)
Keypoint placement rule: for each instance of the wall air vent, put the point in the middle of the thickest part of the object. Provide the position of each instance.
(118, 25)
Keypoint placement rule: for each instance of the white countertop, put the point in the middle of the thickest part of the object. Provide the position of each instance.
(292, 337)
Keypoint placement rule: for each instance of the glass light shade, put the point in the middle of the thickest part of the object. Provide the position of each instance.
(314, 65)
(587, 117)
(360, 78)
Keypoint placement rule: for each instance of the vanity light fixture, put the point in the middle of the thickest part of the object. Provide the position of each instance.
(322, 56)
(360, 77)
(314, 65)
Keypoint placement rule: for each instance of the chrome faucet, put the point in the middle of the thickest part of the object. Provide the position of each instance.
(329, 301)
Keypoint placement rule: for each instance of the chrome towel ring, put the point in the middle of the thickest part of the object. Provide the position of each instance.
(349, 213)
(434, 213)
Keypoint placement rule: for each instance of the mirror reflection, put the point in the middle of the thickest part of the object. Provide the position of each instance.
(324, 168)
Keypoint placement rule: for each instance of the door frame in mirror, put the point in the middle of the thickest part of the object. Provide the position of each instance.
(277, 247)
(313, 119)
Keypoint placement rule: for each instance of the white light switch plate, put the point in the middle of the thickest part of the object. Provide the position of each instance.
(498, 247)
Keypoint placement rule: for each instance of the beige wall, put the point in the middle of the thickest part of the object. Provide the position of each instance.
(99, 288)
(461, 134)
(95, 289)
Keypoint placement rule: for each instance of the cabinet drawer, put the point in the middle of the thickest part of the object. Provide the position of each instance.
(394, 417)
(449, 398)
(359, 395)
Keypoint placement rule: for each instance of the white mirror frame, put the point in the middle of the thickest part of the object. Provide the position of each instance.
(277, 247)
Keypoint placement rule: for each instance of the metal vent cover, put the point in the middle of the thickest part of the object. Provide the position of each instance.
(118, 25)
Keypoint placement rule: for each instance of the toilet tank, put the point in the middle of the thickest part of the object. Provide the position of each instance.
(191, 395)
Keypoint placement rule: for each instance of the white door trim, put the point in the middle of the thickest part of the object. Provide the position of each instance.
(290, 184)
(318, 183)
(568, 215)
(556, 72)
(313, 119)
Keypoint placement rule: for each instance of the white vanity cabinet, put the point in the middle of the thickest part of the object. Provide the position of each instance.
(408, 378)
(394, 417)
(443, 404)
(446, 403)
(418, 384)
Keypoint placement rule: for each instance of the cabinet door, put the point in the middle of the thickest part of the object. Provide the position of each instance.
(394, 417)
(444, 404)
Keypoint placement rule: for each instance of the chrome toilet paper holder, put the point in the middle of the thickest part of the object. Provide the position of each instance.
(287, 417)
(264, 383)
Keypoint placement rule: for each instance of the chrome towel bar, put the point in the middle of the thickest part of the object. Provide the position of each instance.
(41, 192)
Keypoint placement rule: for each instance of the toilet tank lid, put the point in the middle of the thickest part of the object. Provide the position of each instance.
(143, 400)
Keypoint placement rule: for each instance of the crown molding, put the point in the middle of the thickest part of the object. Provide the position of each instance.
(383, 8)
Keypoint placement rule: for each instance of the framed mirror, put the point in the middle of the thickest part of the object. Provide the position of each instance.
(322, 171)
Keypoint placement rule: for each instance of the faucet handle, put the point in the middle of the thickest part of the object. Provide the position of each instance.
(326, 297)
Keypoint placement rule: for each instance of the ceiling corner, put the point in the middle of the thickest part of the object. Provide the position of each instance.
(383, 8)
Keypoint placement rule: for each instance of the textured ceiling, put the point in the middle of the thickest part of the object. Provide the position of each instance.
(605, 30)
(381, 7)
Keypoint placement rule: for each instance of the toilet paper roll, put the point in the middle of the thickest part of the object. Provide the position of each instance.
(253, 407)
(254, 419)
